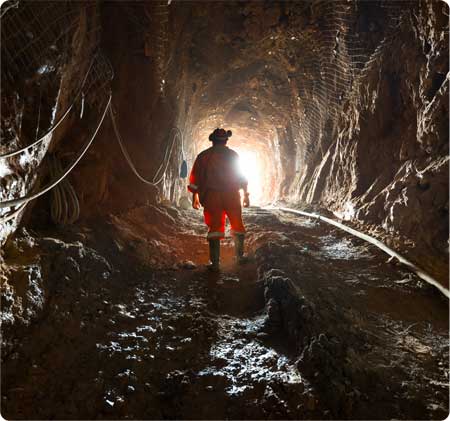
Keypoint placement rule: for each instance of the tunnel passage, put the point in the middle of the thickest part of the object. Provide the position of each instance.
(311, 89)
(337, 108)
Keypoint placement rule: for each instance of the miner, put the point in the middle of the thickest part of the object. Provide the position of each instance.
(215, 183)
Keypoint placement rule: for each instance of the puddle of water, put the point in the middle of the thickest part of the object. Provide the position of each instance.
(342, 249)
(239, 357)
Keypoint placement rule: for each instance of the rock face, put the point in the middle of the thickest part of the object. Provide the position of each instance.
(345, 105)
(49, 82)
(388, 163)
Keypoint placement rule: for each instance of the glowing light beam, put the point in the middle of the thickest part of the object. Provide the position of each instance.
(249, 166)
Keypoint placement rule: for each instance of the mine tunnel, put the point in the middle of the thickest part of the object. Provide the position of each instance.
(115, 303)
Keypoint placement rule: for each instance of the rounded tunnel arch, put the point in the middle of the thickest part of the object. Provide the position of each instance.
(254, 102)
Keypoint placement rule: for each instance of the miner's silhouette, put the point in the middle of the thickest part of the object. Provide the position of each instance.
(215, 183)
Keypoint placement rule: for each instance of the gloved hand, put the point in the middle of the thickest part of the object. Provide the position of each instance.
(246, 201)
(195, 201)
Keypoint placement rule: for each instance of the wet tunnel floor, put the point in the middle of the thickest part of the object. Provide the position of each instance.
(123, 339)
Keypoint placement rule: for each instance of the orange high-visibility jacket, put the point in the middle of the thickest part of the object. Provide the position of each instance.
(216, 168)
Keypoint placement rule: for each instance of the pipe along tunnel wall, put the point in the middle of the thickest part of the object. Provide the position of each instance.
(341, 109)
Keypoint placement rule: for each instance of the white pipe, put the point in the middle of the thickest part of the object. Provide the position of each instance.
(411, 266)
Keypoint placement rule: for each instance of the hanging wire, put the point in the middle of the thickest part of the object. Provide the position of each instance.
(162, 169)
(58, 122)
(34, 195)
(13, 4)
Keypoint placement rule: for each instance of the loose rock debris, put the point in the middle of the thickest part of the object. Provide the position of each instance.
(104, 322)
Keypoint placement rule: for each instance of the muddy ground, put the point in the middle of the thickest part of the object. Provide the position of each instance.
(120, 319)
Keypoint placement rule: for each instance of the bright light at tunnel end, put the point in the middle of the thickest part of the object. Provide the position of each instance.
(249, 166)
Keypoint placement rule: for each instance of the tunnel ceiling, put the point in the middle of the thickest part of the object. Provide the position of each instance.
(294, 63)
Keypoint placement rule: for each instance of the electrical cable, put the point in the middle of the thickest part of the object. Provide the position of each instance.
(12, 4)
(411, 266)
(38, 124)
(65, 207)
(165, 161)
(125, 152)
(12, 215)
(32, 196)
(55, 126)
(167, 156)
(75, 203)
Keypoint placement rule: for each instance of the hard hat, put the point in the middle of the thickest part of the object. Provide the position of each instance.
(220, 134)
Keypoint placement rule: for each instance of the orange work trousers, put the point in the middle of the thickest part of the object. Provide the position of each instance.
(217, 205)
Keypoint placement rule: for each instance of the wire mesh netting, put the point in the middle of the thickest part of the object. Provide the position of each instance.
(337, 56)
(52, 71)
(45, 45)
(34, 34)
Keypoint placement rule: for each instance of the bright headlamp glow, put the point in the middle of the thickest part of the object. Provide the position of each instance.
(250, 167)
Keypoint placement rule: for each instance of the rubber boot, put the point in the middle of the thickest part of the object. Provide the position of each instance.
(214, 255)
(239, 249)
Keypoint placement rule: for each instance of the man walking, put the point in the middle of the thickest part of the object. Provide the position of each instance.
(215, 182)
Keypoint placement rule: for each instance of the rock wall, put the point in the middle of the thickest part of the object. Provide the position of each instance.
(388, 163)
(94, 41)
(147, 110)
(50, 82)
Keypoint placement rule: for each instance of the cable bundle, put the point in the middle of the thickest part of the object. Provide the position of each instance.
(65, 207)
(161, 172)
